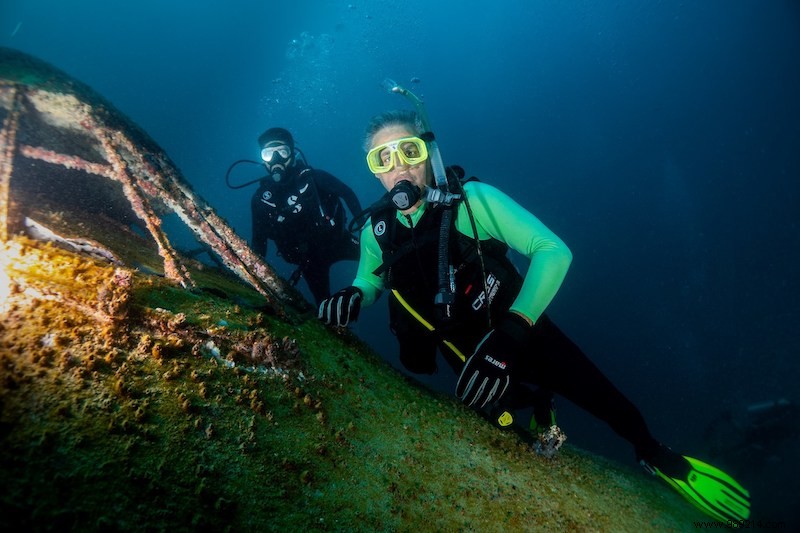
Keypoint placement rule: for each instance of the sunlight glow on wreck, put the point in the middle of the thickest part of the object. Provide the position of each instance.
(5, 280)
(12, 262)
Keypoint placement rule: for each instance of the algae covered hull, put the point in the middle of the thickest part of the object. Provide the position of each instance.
(129, 403)
(136, 399)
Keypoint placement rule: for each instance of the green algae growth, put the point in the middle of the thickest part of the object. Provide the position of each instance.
(127, 403)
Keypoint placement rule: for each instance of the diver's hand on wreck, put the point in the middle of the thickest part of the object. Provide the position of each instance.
(486, 376)
(341, 308)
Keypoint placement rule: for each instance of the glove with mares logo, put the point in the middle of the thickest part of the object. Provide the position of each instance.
(486, 376)
(342, 307)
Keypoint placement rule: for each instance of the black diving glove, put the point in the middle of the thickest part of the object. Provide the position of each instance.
(487, 373)
(342, 307)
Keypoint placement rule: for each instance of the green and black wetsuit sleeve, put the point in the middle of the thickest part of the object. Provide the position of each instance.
(498, 216)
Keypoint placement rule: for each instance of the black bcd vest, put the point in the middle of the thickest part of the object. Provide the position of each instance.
(410, 266)
(297, 218)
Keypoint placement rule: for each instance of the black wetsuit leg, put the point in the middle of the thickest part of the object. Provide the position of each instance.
(558, 364)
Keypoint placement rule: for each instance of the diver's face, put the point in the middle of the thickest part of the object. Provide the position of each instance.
(417, 174)
(277, 158)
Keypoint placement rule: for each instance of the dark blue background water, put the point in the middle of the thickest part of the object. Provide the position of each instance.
(660, 140)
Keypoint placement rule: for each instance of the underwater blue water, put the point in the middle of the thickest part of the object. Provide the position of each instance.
(660, 140)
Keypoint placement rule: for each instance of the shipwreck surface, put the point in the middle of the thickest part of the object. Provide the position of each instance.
(136, 399)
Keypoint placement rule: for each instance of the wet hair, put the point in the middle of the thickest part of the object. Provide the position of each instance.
(405, 118)
(276, 134)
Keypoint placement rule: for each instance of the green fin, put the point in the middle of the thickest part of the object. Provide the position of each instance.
(709, 489)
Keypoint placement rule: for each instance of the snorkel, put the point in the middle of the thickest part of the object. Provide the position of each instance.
(442, 192)
(445, 297)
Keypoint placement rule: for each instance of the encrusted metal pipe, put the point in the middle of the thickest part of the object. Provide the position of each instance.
(11, 99)
(67, 125)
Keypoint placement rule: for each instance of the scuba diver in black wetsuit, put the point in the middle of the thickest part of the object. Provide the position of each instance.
(300, 209)
(442, 256)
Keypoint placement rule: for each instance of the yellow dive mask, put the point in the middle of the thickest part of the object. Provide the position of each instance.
(409, 150)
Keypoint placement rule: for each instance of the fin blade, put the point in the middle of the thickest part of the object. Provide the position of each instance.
(715, 472)
(718, 490)
(712, 491)
(691, 496)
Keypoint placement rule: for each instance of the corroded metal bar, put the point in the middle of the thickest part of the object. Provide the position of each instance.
(66, 161)
(201, 218)
(11, 98)
(173, 268)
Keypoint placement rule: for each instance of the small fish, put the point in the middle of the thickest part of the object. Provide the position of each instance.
(16, 29)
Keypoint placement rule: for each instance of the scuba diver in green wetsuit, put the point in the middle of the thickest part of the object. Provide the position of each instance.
(440, 249)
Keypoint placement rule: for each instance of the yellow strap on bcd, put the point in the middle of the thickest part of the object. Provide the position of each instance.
(427, 324)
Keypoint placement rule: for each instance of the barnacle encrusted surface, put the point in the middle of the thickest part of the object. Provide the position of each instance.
(127, 403)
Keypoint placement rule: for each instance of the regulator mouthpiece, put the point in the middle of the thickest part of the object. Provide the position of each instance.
(404, 195)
